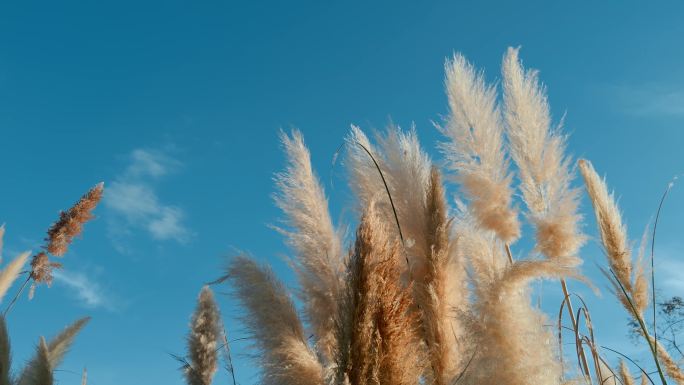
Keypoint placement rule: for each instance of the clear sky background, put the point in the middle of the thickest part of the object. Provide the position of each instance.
(176, 105)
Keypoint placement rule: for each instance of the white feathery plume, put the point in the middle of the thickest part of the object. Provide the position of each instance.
(10, 273)
(50, 355)
(544, 171)
(422, 213)
(319, 262)
(203, 340)
(284, 356)
(615, 242)
(38, 371)
(406, 170)
(475, 151)
(508, 340)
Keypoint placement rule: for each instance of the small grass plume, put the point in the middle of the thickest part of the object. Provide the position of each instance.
(203, 340)
(70, 222)
(49, 355)
(60, 235)
(614, 240)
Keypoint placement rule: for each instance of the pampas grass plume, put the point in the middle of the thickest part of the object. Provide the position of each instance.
(318, 262)
(70, 222)
(475, 150)
(10, 273)
(614, 239)
(203, 340)
(284, 356)
(377, 331)
(544, 171)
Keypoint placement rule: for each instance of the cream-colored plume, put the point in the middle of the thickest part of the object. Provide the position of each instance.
(203, 340)
(507, 337)
(544, 170)
(10, 273)
(475, 152)
(615, 242)
(406, 170)
(442, 294)
(312, 236)
(377, 329)
(284, 355)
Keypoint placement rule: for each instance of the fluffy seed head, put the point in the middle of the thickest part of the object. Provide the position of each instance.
(203, 340)
(318, 261)
(475, 150)
(614, 240)
(377, 330)
(544, 170)
(70, 222)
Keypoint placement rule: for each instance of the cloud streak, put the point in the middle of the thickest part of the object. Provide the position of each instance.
(89, 293)
(134, 204)
(668, 274)
(650, 100)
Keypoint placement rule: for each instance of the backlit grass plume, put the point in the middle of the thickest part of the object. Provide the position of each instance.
(625, 375)
(429, 293)
(475, 151)
(61, 234)
(395, 176)
(70, 222)
(543, 169)
(506, 335)
(39, 370)
(442, 293)
(398, 179)
(10, 273)
(627, 277)
(49, 355)
(615, 242)
(377, 332)
(283, 353)
(203, 340)
(312, 236)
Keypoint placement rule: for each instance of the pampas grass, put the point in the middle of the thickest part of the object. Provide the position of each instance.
(38, 371)
(442, 292)
(70, 222)
(49, 355)
(10, 273)
(60, 235)
(614, 240)
(203, 340)
(543, 169)
(284, 356)
(430, 294)
(376, 329)
(318, 262)
(475, 151)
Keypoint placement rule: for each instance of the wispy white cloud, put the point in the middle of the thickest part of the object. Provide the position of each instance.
(135, 205)
(649, 100)
(89, 293)
(152, 163)
(669, 277)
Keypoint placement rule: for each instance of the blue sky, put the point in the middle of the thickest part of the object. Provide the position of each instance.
(176, 106)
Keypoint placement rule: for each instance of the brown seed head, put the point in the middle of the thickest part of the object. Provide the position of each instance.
(70, 222)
